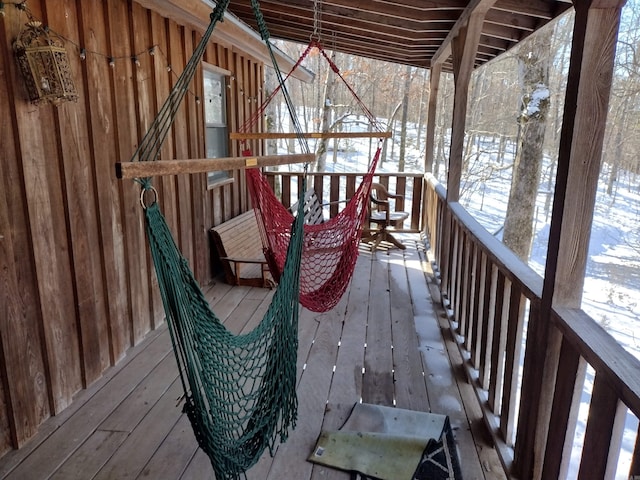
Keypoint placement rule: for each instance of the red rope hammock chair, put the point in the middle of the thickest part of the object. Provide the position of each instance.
(330, 249)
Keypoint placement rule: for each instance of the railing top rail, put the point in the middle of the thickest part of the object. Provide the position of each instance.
(512, 267)
(438, 187)
(348, 174)
(603, 353)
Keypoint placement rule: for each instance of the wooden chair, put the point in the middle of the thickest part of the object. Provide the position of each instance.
(380, 213)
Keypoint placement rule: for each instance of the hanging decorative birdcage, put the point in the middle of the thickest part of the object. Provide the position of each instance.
(44, 65)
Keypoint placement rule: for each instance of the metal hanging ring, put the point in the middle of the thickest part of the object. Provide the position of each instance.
(142, 197)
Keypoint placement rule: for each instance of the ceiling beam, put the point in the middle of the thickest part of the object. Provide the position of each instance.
(231, 32)
(475, 6)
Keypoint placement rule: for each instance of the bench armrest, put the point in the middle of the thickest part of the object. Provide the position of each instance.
(243, 260)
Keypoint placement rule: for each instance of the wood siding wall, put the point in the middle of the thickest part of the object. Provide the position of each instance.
(76, 284)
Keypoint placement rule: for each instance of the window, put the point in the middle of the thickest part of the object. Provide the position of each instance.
(215, 122)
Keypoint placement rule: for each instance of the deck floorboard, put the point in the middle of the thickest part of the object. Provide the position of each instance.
(383, 343)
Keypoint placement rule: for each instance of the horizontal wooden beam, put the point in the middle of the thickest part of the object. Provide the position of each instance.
(276, 135)
(203, 165)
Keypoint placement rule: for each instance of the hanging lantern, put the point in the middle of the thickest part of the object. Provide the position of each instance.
(44, 65)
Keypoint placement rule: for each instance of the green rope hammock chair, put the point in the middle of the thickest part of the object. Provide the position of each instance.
(239, 389)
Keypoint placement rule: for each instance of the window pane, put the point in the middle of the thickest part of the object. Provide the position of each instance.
(215, 117)
(214, 99)
(216, 142)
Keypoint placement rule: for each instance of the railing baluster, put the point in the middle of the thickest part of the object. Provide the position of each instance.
(571, 370)
(471, 301)
(417, 192)
(463, 281)
(334, 195)
(488, 306)
(477, 348)
(603, 435)
(286, 191)
(512, 361)
(351, 186)
(501, 313)
(451, 264)
(634, 471)
(401, 189)
(318, 186)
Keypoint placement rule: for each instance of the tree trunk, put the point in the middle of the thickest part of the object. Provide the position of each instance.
(405, 116)
(383, 155)
(421, 111)
(272, 112)
(518, 226)
(327, 98)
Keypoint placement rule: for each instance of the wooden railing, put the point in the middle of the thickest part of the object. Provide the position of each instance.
(335, 189)
(491, 297)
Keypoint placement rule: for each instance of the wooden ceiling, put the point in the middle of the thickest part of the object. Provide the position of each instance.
(410, 32)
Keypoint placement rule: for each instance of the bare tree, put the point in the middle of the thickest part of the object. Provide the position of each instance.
(533, 60)
(325, 123)
(405, 115)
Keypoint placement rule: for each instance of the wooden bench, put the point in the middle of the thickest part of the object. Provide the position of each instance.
(239, 246)
(312, 208)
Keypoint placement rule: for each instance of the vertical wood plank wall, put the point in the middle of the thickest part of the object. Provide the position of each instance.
(76, 283)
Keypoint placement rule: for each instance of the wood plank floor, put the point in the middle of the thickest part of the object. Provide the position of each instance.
(381, 344)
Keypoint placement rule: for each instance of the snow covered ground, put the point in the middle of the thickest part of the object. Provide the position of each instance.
(612, 282)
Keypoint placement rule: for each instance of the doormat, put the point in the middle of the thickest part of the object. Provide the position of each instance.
(386, 443)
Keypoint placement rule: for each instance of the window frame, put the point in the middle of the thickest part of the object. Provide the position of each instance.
(219, 178)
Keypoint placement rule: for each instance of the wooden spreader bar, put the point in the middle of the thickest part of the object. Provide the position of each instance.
(202, 165)
(276, 135)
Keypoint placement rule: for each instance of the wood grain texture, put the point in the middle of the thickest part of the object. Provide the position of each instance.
(584, 157)
(24, 398)
(569, 384)
(180, 132)
(201, 254)
(93, 198)
(499, 341)
(132, 428)
(603, 434)
(587, 95)
(41, 164)
(78, 288)
(377, 383)
(124, 84)
(129, 170)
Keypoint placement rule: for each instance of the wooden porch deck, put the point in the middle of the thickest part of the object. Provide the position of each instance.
(129, 424)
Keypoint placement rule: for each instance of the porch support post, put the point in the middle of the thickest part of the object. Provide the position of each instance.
(434, 85)
(464, 46)
(463, 49)
(579, 157)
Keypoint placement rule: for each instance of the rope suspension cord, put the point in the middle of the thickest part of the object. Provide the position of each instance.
(264, 33)
(257, 116)
(151, 143)
(239, 389)
(317, 13)
(259, 113)
(330, 249)
(314, 42)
